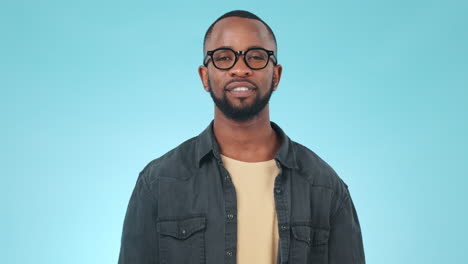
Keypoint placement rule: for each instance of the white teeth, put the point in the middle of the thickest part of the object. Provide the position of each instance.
(240, 89)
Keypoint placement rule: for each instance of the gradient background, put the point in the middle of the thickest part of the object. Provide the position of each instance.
(91, 91)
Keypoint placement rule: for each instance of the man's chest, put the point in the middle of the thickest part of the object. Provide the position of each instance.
(198, 218)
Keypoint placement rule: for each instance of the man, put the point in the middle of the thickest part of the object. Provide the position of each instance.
(241, 191)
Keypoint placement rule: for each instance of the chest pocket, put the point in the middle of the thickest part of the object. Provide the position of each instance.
(309, 245)
(182, 240)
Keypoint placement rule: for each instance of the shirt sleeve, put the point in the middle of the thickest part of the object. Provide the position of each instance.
(345, 242)
(139, 238)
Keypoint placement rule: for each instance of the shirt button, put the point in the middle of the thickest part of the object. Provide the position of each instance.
(226, 178)
(283, 227)
(278, 191)
(183, 231)
(229, 253)
(230, 216)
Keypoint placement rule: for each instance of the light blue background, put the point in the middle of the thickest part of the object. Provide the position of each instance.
(91, 91)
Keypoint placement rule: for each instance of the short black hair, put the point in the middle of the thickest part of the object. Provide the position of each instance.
(237, 13)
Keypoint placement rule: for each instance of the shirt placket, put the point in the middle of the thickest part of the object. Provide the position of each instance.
(230, 205)
(282, 204)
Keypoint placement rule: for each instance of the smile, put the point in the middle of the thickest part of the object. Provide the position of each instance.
(241, 92)
(238, 89)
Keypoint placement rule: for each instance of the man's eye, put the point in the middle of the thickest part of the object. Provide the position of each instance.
(223, 58)
(256, 58)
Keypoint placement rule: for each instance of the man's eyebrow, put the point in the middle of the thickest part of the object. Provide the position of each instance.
(230, 47)
(255, 47)
(225, 47)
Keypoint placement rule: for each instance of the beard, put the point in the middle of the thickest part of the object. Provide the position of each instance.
(241, 113)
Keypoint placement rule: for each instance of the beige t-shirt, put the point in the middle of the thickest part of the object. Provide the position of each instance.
(257, 224)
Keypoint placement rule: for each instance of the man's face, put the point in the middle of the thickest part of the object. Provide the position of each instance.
(240, 104)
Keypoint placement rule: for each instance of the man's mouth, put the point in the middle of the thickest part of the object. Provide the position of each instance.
(241, 92)
(241, 89)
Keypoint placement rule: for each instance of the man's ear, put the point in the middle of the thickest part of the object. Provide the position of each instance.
(277, 70)
(203, 72)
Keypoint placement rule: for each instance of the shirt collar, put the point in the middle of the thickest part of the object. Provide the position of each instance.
(206, 144)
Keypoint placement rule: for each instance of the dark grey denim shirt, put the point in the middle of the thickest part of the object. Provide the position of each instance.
(183, 209)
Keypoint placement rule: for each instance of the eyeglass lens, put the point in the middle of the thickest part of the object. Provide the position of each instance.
(255, 59)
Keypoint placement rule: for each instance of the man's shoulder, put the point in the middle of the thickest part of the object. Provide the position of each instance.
(317, 171)
(176, 163)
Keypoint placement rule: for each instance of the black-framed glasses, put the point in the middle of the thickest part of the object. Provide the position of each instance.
(226, 58)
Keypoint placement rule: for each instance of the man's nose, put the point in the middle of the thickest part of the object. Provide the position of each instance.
(240, 68)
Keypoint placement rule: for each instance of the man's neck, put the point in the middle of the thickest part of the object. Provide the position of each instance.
(250, 141)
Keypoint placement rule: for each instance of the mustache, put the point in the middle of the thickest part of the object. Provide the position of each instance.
(240, 80)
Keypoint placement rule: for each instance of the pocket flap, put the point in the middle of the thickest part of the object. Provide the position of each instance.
(181, 228)
(312, 236)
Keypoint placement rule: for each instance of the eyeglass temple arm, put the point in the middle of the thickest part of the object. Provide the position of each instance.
(208, 55)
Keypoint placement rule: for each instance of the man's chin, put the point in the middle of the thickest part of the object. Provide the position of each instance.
(240, 110)
(240, 106)
(233, 98)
